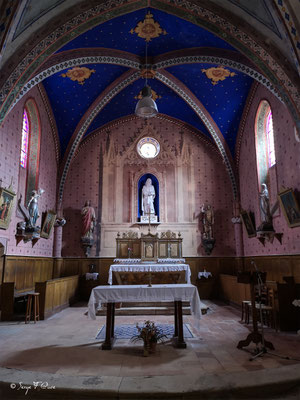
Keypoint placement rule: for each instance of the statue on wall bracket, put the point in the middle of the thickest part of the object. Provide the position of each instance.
(266, 231)
(28, 230)
(207, 219)
(88, 219)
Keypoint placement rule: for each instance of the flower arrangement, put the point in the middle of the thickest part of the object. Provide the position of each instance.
(150, 334)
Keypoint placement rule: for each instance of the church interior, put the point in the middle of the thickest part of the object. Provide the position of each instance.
(149, 161)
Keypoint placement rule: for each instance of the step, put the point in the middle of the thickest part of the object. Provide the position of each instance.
(145, 311)
(154, 304)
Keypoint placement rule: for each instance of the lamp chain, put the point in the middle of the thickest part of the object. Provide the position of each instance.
(146, 62)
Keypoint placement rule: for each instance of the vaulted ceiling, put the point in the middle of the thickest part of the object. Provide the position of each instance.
(200, 64)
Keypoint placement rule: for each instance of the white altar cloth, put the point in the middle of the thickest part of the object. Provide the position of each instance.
(150, 268)
(136, 293)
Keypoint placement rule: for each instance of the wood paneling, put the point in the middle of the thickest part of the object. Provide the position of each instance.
(276, 267)
(79, 266)
(57, 294)
(25, 271)
(232, 291)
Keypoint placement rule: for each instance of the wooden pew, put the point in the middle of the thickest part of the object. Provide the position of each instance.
(57, 294)
(8, 296)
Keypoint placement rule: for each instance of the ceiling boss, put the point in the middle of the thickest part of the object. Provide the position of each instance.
(217, 74)
(79, 74)
(148, 29)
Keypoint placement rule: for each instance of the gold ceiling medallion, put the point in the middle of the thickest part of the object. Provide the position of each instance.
(217, 74)
(78, 74)
(154, 95)
(148, 29)
(148, 73)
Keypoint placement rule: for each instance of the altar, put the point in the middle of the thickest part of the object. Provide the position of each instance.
(150, 258)
(126, 271)
(156, 293)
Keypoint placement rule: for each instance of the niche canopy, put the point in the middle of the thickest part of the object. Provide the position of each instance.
(148, 147)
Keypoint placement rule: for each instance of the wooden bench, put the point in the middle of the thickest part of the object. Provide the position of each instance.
(57, 294)
(8, 296)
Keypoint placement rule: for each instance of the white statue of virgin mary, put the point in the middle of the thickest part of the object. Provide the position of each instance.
(148, 196)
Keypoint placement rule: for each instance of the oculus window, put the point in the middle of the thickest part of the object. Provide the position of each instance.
(148, 147)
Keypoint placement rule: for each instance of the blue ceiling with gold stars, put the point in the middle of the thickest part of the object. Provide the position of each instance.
(115, 34)
(224, 100)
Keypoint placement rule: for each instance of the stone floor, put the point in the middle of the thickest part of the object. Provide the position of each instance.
(63, 349)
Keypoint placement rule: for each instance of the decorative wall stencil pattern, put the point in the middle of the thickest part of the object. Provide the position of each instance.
(79, 74)
(212, 185)
(148, 29)
(10, 143)
(216, 74)
(287, 175)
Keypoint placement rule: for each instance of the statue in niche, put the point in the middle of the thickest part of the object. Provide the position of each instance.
(265, 211)
(88, 217)
(33, 208)
(148, 196)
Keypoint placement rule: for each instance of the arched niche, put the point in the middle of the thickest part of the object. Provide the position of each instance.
(141, 183)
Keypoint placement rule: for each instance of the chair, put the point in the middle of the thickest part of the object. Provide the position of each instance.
(36, 307)
(269, 317)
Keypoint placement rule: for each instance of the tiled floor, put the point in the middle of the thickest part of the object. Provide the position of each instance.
(66, 344)
(62, 352)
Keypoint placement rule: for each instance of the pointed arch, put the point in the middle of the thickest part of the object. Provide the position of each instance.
(34, 144)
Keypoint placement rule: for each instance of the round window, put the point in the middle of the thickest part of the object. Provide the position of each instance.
(148, 147)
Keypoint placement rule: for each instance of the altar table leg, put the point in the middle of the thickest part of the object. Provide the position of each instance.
(180, 339)
(175, 319)
(110, 322)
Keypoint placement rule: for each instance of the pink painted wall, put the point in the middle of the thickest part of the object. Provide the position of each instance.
(212, 185)
(286, 174)
(10, 144)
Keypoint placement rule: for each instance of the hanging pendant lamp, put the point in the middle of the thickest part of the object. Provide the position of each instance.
(146, 106)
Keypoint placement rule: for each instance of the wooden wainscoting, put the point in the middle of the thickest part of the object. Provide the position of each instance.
(232, 291)
(57, 294)
(80, 266)
(276, 267)
(25, 271)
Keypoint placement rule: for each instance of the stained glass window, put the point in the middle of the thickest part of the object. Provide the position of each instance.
(265, 147)
(270, 139)
(25, 140)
